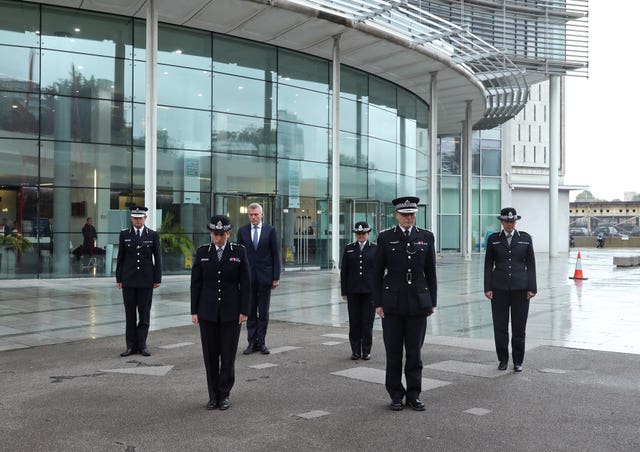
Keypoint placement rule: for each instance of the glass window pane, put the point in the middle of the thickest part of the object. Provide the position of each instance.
(475, 195)
(353, 150)
(303, 70)
(492, 134)
(382, 155)
(407, 161)
(449, 155)
(490, 201)
(87, 120)
(19, 69)
(422, 165)
(488, 225)
(245, 174)
(184, 47)
(407, 132)
(184, 87)
(422, 127)
(382, 124)
(304, 106)
(240, 57)
(491, 162)
(178, 128)
(244, 135)
(354, 84)
(450, 192)
(19, 114)
(353, 182)
(382, 94)
(297, 178)
(451, 240)
(244, 96)
(382, 185)
(491, 144)
(408, 184)
(354, 117)
(300, 142)
(19, 24)
(85, 32)
(85, 75)
(184, 171)
(193, 217)
(19, 162)
(475, 157)
(407, 104)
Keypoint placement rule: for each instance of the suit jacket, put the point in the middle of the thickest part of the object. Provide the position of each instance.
(356, 270)
(139, 261)
(510, 268)
(409, 286)
(265, 261)
(220, 289)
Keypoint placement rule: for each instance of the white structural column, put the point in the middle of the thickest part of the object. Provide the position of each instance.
(554, 160)
(151, 116)
(335, 157)
(433, 154)
(466, 183)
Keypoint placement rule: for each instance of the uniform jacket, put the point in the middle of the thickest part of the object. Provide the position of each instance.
(510, 268)
(356, 271)
(89, 234)
(265, 261)
(220, 290)
(139, 261)
(409, 286)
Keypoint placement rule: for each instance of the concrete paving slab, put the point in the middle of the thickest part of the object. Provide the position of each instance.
(467, 368)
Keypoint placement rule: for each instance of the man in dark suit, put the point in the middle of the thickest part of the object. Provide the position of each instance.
(263, 251)
(138, 272)
(220, 294)
(509, 282)
(356, 285)
(405, 294)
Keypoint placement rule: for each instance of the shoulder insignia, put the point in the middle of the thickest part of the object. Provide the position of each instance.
(239, 245)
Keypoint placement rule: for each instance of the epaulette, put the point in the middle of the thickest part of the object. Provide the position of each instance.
(125, 229)
(205, 245)
(352, 243)
(388, 229)
(236, 244)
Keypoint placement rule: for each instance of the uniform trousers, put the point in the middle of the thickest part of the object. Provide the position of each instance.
(137, 310)
(258, 319)
(219, 348)
(405, 331)
(361, 315)
(517, 302)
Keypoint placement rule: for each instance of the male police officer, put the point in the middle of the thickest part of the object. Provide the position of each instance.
(138, 272)
(509, 282)
(404, 297)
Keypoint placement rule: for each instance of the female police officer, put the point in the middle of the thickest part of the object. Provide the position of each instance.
(220, 294)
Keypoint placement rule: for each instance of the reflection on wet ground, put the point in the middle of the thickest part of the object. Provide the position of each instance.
(600, 313)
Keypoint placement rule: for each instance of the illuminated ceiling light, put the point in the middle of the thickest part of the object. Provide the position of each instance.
(179, 52)
(240, 87)
(14, 106)
(77, 30)
(199, 94)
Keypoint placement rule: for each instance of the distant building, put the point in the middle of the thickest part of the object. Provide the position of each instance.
(621, 215)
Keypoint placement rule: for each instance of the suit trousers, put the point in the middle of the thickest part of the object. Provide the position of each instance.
(517, 302)
(361, 315)
(219, 348)
(137, 300)
(405, 331)
(258, 319)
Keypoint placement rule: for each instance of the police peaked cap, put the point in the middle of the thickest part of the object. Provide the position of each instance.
(220, 223)
(509, 214)
(406, 204)
(139, 212)
(361, 226)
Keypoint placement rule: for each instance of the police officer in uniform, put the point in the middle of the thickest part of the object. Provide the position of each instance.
(356, 286)
(405, 294)
(220, 295)
(138, 272)
(509, 282)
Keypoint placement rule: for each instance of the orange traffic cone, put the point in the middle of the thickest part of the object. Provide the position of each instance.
(578, 273)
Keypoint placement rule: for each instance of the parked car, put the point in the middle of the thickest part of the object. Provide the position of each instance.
(578, 231)
(607, 231)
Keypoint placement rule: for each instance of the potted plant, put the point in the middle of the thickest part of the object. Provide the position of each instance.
(12, 244)
(176, 244)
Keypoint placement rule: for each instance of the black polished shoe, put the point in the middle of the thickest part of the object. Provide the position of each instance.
(249, 350)
(502, 365)
(225, 404)
(145, 352)
(264, 350)
(128, 352)
(354, 356)
(396, 405)
(366, 356)
(212, 405)
(517, 367)
(417, 404)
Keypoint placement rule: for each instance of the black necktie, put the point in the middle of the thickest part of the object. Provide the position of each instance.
(219, 251)
(138, 233)
(509, 239)
(407, 233)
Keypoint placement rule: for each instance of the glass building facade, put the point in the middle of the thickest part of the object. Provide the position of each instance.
(238, 122)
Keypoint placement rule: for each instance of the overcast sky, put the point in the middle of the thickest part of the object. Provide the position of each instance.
(602, 112)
